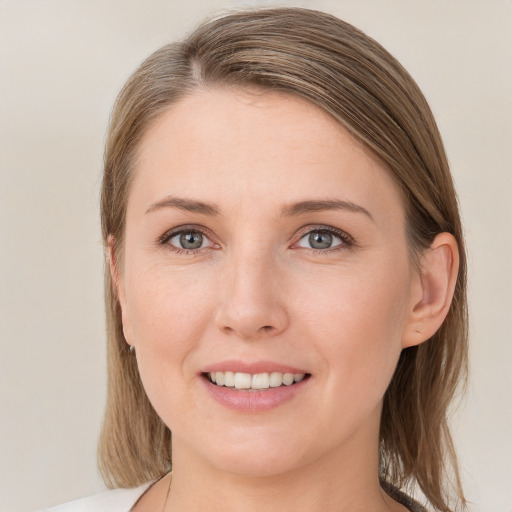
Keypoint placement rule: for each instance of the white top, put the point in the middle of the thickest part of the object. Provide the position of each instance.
(116, 500)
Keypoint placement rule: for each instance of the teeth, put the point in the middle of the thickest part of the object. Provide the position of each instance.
(260, 381)
(229, 379)
(276, 379)
(242, 380)
(288, 379)
(257, 381)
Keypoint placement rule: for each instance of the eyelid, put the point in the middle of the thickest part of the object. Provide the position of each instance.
(163, 239)
(347, 241)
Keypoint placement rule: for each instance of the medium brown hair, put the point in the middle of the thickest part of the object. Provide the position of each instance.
(345, 73)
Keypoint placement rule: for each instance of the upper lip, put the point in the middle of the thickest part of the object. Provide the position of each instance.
(252, 368)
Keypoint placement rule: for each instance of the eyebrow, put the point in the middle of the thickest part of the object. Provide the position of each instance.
(188, 205)
(289, 210)
(321, 205)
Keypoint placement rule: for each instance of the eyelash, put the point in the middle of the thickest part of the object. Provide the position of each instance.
(164, 239)
(347, 242)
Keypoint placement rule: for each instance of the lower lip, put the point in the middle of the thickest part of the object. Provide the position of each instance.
(254, 401)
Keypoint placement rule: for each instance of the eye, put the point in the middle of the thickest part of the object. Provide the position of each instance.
(189, 240)
(186, 240)
(324, 239)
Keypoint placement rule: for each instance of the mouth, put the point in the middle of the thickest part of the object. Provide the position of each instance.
(257, 386)
(254, 382)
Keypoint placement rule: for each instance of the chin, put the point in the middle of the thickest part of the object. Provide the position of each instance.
(258, 455)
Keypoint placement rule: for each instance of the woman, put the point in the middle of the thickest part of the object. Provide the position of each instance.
(286, 277)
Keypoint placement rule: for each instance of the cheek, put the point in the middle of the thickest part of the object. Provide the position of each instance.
(168, 312)
(356, 322)
(165, 306)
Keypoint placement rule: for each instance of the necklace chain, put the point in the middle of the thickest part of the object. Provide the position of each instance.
(167, 494)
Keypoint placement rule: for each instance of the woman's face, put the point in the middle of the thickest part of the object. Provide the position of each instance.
(262, 239)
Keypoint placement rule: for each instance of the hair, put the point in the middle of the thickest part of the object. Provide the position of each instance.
(347, 74)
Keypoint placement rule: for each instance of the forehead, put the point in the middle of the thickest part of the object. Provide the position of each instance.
(230, 145)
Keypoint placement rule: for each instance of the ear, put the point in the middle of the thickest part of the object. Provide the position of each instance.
(432, 290)
(118, 284)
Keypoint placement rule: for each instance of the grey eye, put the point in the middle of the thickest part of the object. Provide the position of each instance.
(189, 240)
(320, 239)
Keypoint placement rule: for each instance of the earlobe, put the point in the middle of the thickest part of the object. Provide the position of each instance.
(433, 290)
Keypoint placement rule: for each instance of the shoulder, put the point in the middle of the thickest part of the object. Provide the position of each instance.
(116, 500)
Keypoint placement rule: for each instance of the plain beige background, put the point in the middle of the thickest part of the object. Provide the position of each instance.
(61, 65)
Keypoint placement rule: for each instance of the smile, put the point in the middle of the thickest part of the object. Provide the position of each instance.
(254, 382)
(257, 386)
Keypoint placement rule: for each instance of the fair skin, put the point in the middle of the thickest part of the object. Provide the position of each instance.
(324, 289)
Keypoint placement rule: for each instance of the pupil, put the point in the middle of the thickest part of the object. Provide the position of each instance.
(320, 240)
(191, 240)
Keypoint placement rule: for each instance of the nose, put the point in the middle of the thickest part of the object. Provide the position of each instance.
(252, 296)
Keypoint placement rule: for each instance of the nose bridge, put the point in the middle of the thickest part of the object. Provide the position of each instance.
(252, 302)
